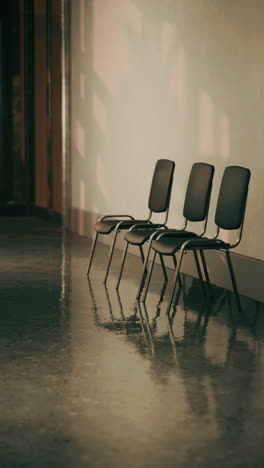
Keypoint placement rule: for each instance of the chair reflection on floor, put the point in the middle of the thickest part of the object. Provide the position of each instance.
(238, 372)
(192, 330)
(158, 305)
(205, 378)
(131, 326)
(135, 329)
(164, 362)
(222, 301)
(160, 341)
(185, 357)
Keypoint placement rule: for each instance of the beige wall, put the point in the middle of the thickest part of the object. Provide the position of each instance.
(181, 79)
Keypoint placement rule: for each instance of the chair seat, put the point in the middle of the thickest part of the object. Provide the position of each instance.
(168, 246)
(105, 227)
(140, 236)
(209, 244)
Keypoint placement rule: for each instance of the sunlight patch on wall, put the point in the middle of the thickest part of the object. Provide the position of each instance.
(222, 255)
(167, 38)
(99, 113)
(82, 27)
(100, 178)
(95, 217)
(79, 138)
(82, 87)
(177, 83)
(230, 237)
(111, 24)
(134, 17)
(206, 120)
(224, 132)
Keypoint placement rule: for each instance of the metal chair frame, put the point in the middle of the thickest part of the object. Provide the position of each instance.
(201, 244)
(157, 232)
(122, 225)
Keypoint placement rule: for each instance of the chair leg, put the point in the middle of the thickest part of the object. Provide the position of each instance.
(143, 273)
(161, 297)
(199, 269)
(233, 279)
(149, 277)
(122, 265)
(175, 266)
(174, 306)
(111, 255)
(163, 268)
(92, 294)
(174, 261)
(204, 267)
(206, 274)
(92, 253)
(121, 305)
(109, 302)
(176, 275)
(142, 254)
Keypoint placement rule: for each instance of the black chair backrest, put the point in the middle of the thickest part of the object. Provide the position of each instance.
(160, 191)
(232, 197)
(198, 192)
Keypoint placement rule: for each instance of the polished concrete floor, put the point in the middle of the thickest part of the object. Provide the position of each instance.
(89, 379)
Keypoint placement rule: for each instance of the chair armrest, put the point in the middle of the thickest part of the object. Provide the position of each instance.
(124, 222)
(115, 216)
(175, 233)
(147, 225)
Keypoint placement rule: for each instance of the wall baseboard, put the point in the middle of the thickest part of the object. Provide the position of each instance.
(248, 271)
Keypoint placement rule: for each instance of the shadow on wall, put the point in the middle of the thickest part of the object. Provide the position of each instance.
(164, 79)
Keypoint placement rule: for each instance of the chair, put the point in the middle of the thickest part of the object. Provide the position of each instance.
(195, 209)
(159, 200)
(229, 216)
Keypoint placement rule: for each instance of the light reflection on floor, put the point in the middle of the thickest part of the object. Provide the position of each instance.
(92, 379)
